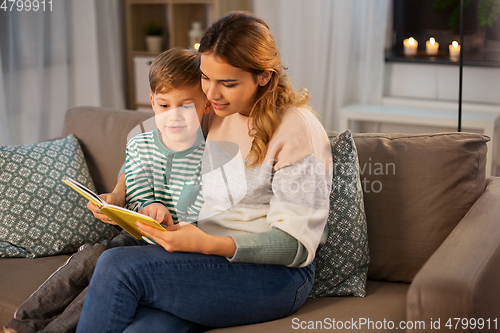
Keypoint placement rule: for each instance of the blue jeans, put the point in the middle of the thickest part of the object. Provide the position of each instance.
(147, 289)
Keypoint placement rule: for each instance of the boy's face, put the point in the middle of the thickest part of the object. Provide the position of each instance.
(178, 113)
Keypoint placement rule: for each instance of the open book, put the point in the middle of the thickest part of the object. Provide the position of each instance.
(125, 218)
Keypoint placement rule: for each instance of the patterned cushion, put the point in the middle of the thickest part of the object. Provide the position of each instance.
(39, 214)
(342, 262)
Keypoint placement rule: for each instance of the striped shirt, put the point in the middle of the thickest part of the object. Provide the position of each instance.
(154, 173)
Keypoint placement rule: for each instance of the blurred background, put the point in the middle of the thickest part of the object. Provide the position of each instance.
(349, 54)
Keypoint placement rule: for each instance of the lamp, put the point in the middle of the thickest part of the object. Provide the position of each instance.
(461, 66)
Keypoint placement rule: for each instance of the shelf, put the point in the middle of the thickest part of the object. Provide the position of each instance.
(140, 16)
(166, 2)
(180, 18)
(190, 2)
(144, 106)
(483, 59)
(176, 17)
(145, 54)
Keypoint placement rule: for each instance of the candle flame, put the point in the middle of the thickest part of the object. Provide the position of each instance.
(455, 44)
(432, 40)
(411, 41)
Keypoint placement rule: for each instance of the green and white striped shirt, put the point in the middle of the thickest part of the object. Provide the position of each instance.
(154, 173)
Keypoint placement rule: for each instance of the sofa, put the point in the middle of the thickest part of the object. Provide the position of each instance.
(433, 232)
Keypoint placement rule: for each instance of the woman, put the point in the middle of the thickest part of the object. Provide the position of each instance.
(266, 184)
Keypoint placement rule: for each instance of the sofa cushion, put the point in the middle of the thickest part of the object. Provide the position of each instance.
(382, 310)
(342, 262)
(103, 139)
(39, 214)
(20, 278)
(416, 189)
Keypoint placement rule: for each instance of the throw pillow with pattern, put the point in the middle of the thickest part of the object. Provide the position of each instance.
(342, 262)
(39, 214)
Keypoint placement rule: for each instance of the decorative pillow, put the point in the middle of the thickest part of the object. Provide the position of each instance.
(342, 262)
(417, 188)
(39, 214)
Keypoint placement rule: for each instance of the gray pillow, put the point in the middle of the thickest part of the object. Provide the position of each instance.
(342, 262)
(39, 214)
(430, 181)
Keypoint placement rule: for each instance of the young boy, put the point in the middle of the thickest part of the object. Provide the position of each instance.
(162, 176)
(167, 161)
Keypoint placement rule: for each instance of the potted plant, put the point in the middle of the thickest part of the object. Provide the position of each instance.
(487, 13)
(154, 37)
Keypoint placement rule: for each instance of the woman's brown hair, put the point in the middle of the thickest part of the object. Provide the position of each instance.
(245, 41)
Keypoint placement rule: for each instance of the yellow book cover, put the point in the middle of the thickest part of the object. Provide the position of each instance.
(125, 218)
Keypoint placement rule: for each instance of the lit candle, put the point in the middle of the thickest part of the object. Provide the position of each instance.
(431, 46)
(411, 46)
(454, 50)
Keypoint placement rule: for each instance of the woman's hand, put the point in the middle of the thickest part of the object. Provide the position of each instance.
(159, 213)
(111, 198)
(185, 237)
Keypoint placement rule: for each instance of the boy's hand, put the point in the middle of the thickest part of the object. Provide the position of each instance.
(159, 213)
(110, 198)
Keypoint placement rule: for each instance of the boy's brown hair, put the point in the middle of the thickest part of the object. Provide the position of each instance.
(174, 69)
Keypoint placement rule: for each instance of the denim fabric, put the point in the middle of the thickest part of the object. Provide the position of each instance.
(156, 321)
(56, 305)
(198, 290)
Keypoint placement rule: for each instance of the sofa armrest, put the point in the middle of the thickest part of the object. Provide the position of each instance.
(460, 280)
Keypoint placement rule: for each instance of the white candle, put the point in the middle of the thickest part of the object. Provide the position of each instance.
(454, 50)
(411, 46)
(431, 46)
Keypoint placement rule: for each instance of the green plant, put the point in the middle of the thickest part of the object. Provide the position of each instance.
(487, 13)
(154, 29)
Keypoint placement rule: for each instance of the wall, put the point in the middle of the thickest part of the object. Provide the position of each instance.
(441, 82)
(437, 86)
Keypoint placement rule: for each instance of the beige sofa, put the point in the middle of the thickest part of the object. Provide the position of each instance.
(433, 228)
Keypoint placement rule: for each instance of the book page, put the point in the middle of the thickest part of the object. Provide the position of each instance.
(84, 191)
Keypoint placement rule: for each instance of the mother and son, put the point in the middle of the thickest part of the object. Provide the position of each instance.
(249, 255)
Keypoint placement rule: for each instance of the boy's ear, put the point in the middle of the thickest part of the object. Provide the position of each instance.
(208, 107)
(263, 79)
(151, 97)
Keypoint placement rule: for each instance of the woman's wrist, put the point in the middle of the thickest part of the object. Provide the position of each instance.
(220, 246)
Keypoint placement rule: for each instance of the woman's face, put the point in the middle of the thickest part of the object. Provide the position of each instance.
(229, 89)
